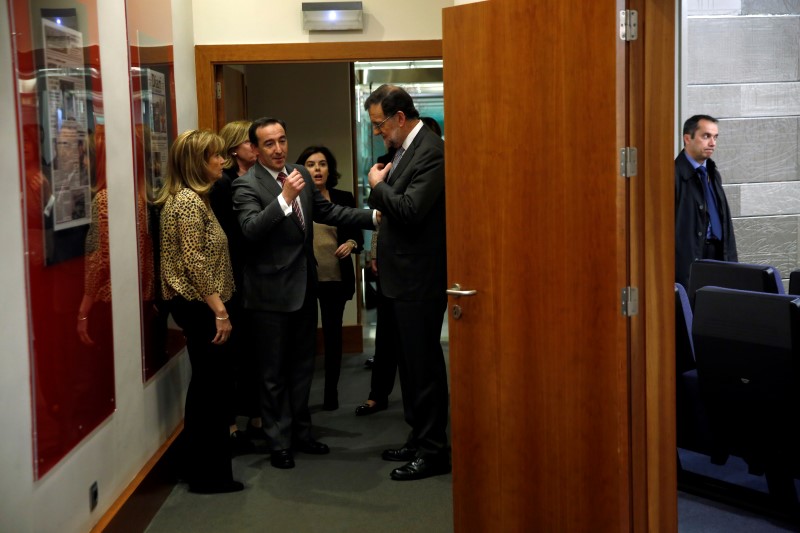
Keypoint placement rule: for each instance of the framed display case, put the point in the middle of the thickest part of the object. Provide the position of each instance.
(155, 127)
(60, 125)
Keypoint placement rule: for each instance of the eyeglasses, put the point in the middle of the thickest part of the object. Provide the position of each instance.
(376, 128)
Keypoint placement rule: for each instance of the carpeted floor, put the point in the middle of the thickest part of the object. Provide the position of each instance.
(350, 490)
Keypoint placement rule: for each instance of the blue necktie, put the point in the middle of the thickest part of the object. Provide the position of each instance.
(715, 225)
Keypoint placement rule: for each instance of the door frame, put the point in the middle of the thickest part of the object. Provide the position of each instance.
(208, 57)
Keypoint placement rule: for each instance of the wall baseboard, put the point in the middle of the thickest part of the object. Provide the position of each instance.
(143, 497)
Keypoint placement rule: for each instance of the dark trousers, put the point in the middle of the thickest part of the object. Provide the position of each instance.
(384, 366)
(285, 358)
(331, 307)
(244, 398)
(205, 427)
(713, 250)
(412, 330)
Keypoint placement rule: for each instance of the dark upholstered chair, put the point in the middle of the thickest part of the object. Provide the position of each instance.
(745, 276)
(692, 423)
(747, 350)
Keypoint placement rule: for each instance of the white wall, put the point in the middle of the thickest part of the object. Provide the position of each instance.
(145, 414)
(281, 21)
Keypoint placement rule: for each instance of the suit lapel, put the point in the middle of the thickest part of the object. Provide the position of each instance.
(267, 182)
(407, 157)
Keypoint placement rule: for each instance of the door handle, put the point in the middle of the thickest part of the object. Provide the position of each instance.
(457, 292)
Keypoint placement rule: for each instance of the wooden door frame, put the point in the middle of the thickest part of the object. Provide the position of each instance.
(207, 57)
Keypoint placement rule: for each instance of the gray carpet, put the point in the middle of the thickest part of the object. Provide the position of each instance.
(346, 491)
(350, 490)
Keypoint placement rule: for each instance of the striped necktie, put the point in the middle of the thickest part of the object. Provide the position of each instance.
(295, 204)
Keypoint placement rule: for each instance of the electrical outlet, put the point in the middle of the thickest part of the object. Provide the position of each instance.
(93, 495)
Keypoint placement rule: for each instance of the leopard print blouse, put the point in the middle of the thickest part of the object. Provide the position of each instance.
(194, 250)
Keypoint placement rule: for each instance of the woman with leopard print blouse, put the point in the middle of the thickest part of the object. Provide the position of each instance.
(196, 280)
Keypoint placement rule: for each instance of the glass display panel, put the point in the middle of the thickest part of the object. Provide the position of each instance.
(60, 125)
(155, 127)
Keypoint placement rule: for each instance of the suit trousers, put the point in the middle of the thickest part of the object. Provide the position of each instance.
(384, 366)
(205, 428)
(331, 307)
(413, 331)
(285, 342)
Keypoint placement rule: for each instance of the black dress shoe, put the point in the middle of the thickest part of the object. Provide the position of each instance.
(370, 362)
(216, 488)
(400, 454)
(312, 447)
(282, 459)
(420, 468)
(366, 409)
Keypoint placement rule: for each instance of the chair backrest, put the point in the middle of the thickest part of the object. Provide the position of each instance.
(746, 350)
(744, 276)
(684, 346)
(794, 282)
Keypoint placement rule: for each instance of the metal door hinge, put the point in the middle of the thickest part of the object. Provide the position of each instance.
(630, 301)
(219, 90)
(628, 24)
(627, 162)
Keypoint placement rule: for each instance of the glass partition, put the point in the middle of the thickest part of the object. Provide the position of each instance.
(60, 125)
(154, 123)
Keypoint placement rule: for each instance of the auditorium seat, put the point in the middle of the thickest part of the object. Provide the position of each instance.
(745, 276)
(746, 350)
(692, 423)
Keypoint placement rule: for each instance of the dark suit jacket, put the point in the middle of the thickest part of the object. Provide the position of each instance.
(344, 234)
(279, 261)
(691, 217)
(412, 249)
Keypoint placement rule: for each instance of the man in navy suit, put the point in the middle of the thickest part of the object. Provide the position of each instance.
(412, 262)
(276, 203)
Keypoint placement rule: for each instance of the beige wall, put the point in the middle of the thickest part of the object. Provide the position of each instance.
(146, 413)
(281, 21)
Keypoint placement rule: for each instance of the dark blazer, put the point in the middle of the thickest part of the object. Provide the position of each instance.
(412, 248)
(279, 260)
(344, 234)
(691, 217)
(221, 199)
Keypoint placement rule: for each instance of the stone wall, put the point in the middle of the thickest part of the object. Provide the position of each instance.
(741, 64)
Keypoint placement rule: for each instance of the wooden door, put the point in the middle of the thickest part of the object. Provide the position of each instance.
(542, 372)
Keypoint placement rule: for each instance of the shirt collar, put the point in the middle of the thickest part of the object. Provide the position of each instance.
(694, 163)
(413, 133)
(271, 172)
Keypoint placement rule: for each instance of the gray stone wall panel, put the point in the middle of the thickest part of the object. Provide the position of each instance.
(768, 241)
(759, 199)
(743, 49)
(758, 150)
(770, 7)
(752, 100)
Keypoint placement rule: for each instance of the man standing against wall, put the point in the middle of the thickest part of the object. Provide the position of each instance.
(703, 226)
(276, 203)
(412, 262)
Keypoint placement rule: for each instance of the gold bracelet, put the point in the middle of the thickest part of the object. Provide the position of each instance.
(222, 317)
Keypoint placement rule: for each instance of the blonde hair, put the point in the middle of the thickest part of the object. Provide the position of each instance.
(233, 134)
(188, 163)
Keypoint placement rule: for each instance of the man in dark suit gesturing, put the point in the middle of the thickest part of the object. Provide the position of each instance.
(276, 203)
(412, 264)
